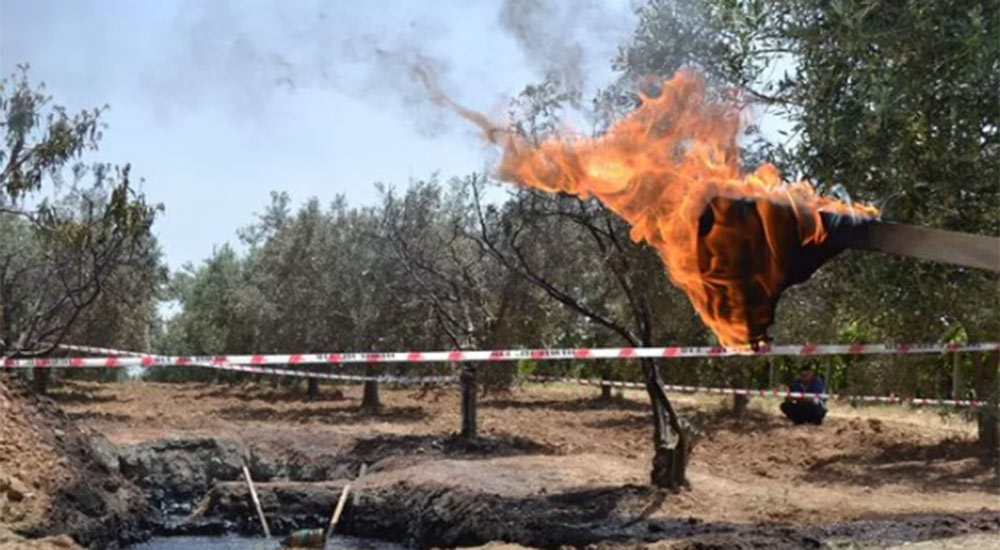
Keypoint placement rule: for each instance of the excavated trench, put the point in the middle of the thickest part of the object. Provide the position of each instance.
(421, 490)
(193, 489)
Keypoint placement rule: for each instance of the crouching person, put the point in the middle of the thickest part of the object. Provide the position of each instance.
(802, 410)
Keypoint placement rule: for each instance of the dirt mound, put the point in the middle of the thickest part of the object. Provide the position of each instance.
(55, 479)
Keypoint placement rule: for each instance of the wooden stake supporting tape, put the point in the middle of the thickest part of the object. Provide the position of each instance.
(256, 501)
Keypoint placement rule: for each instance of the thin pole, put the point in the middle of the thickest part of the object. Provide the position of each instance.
(256, 501)
(361, 474)
(336, 514)
(956, 377)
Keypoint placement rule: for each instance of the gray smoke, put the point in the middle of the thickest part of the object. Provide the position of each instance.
(249, 53)
(253, 56)
(563, 39)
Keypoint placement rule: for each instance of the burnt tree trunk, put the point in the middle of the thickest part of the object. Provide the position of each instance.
(369, 399)
(468, 382)
(671, 441)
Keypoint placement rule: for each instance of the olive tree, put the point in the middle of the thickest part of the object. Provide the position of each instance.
(70, 231)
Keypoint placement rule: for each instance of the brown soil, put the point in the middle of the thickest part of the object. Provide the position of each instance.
(10, 541)
(875, 462)
(30, 469)
(53, 479)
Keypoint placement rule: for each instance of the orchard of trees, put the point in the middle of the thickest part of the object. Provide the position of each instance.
(895, 102)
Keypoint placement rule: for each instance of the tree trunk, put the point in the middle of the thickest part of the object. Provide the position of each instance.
(606, 388)
(468, 381)
(40, 380)
(605, 392)
(312, 390)
(672, 441)
(740, 401)
(956, 376)
(369, 399)
(987, 418)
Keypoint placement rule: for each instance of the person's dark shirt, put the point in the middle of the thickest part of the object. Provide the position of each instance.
(815, 385)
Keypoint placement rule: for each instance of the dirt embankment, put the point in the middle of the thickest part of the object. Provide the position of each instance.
(12, 541)
(553, 468)
(55, 479)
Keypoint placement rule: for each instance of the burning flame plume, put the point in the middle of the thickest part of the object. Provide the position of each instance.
(671, 168)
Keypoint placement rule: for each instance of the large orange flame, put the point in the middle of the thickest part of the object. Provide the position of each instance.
(671, 169)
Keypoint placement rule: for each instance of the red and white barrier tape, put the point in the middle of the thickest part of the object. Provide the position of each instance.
(101, 351)
(386, 379)
(637, 386)
(496, 355)
(765, 393)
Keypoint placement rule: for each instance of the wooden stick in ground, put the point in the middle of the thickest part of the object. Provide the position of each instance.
(361, 474)
(336, 514)
(256, 501)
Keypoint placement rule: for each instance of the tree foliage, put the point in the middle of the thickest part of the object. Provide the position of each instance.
(77, 259)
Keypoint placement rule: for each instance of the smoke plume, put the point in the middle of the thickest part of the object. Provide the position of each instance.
(564, 40)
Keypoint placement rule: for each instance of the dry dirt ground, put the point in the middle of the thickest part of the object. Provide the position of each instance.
(876, 461)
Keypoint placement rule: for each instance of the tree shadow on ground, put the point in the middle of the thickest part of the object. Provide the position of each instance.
(568, 405)
(749, 421)
(80, 397)
(631, 421)
(273, 395)
(707, 422)
(325, 415)
(376, 448)
(95, 415)
(955, 464)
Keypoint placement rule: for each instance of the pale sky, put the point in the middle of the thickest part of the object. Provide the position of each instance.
(216, 103)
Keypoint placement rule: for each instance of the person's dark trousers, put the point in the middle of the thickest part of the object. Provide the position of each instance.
(801, 413)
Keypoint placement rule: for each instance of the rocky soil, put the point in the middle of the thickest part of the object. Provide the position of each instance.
(12, 541)
(54, 479)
